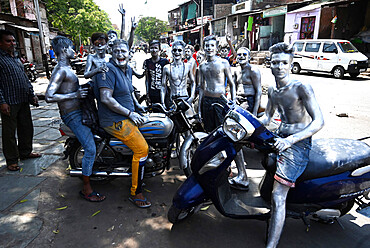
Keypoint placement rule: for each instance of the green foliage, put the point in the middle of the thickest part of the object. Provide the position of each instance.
(150, 28)
(77, 17)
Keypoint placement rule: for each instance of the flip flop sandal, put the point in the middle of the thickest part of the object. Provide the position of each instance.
(13, 167)
(140, 200)
(93, 197)
(32, 155)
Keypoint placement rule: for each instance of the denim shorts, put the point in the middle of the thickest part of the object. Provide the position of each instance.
(292, 162)
(84, 135)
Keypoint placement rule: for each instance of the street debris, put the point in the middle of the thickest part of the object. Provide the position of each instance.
(62, 208)
(24, 200)
(110, 229)
(97, 212)
(342, 115)
(56, 231)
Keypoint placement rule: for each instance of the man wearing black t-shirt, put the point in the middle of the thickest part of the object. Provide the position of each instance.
(153, 68)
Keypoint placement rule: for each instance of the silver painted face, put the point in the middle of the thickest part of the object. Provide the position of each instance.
(188, 53)
(120, 55)
(224, 52)
(154, 50)
(242, 56)
(280, 65)
(70, 53)
(100, 46)
(210, 48)
(177, 52)
(111, 38)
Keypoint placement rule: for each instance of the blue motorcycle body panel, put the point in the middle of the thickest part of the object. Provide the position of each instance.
(190, 194)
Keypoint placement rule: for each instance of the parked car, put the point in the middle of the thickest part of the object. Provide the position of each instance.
(331, 56)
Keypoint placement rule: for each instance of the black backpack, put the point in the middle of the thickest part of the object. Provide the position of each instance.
(90, 116)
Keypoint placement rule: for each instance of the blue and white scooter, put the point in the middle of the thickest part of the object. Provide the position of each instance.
(337, 176)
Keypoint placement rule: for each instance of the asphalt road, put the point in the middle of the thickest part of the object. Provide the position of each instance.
(120, 224)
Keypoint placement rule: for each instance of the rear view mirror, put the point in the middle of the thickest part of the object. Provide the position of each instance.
(335, 50)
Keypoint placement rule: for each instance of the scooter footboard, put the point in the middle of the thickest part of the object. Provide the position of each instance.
(189, 194)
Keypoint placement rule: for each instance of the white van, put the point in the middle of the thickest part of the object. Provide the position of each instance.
(332, 56)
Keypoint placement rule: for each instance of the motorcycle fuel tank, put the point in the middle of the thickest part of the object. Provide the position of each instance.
(157, 126)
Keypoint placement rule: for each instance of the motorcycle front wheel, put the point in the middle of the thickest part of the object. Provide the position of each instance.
(77, 153)
(176, 215)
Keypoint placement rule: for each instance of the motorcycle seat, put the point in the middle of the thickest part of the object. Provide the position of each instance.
(329, 157)
(333, 156)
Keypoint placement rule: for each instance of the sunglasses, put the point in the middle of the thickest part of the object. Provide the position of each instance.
(244, 54)
(99, 43)
(177, 50)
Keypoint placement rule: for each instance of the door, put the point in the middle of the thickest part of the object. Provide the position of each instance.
(328, 57)
(307, 27)
(310, 55)
(28, 48)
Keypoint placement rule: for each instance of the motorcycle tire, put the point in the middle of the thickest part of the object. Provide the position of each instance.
(75, 161)
(176, 215)
(31, 76)
(190, 152)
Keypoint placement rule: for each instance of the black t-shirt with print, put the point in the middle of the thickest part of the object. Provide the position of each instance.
(155, 78)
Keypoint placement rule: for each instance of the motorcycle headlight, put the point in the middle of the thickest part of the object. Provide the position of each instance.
(353, 62)
(233, 129)
(237, 127)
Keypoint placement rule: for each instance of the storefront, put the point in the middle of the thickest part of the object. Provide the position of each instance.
(303, 23)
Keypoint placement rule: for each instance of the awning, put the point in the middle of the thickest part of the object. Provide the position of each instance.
(195, 30)
(307, 8)
(4, 22)
(28, 29)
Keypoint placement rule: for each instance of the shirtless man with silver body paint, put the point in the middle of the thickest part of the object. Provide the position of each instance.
(301, 117)
(66, 91)
(248, 82)
(249, 91)
(97, 62)
(213, 73)
(178, 74)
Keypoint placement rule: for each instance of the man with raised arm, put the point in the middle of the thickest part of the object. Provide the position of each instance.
(301, 117)
(177, 74)
(66, 91)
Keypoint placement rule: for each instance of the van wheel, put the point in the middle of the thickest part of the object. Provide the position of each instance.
(354, 75)
(296, 68)
(338, 72)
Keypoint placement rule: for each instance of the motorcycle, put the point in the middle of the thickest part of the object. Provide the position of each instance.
(30, 70)
(78, 64)
(113, 158)
(267, 62)
(337, 176)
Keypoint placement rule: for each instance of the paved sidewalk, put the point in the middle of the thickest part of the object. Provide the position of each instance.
(20, 191)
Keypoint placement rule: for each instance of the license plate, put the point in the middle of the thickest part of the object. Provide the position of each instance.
(362, 70)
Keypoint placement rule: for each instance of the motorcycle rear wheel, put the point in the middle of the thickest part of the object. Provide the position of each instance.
(76, 155)
(176, 215)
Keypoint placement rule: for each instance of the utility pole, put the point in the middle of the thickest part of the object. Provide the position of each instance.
(201, 28)
(42, 41)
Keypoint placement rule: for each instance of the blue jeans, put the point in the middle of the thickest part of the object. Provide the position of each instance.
(84, 135)
(292, 162)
